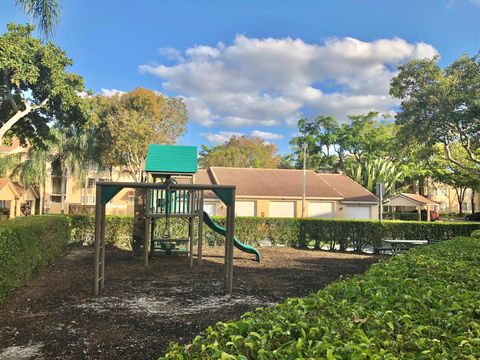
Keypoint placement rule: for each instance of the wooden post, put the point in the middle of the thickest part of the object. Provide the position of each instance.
(191, 235)
(102, 245)
(419, 209)
(96, 258)
(191, 224)
(146, 239)
(18, 206)
(428, 214)
(229, 241)
(12, 209)
(200, 229)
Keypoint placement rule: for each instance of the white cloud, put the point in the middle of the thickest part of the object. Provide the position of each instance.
(111, 92)
(82, 94)
(452, 3)
(171, 53)
(266, 135)
(272, 82)
(220, 137)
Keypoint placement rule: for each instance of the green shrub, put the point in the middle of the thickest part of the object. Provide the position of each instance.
(118, 229)
(476, 234)
(406, 216)
(27, 243)
(295, 232)
(421, 305)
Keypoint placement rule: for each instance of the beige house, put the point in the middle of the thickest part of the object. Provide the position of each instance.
(278, 193)
(16, 200)
(446, 196)
(262, 192)
(412, 202)
(79, 195)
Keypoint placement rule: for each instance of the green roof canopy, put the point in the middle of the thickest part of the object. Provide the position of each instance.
(171, 159)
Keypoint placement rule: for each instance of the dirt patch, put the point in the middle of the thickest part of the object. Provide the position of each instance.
(55, 316)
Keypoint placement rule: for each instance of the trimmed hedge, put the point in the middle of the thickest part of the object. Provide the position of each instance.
(118, 229)
(27, 243)
(316, 233)
(424, 304)
(406, 216)
(476, 234)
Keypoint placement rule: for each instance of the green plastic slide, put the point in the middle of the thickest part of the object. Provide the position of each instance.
(221, 230)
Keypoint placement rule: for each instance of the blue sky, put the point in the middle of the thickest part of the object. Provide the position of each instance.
(256, 67)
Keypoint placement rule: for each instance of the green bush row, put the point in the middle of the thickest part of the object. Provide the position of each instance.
(316, 233)
(406, 216)
(27, 243)
(476, 234)
(424, 304)
(118, 229)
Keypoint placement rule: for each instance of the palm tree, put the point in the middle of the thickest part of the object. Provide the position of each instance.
(46, 13)
(69, 149)
(374, 171)
(33, 171)
(72, 153)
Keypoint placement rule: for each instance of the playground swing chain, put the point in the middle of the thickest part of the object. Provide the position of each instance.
(166, 235)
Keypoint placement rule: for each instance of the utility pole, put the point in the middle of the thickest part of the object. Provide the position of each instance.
(304, 147)
(380, 189)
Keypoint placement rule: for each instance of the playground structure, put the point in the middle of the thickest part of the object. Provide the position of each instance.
(169, 192)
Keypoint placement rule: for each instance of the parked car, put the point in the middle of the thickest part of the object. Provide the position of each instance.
(473, 217)
(434, 216)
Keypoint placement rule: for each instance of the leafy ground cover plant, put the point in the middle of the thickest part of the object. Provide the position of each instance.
(424, 304)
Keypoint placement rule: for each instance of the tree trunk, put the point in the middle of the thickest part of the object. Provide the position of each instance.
(460, 192)
(421, 186)
(44, 194)
(63, 190)
(472, 199)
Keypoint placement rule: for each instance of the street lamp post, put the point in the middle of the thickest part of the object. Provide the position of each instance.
(304, 147)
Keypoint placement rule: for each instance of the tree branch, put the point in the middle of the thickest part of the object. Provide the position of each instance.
(9, 93)
(458, 163)
(19, 115)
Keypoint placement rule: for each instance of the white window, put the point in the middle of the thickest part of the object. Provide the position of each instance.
(90, 183)
(87, 199)
(466, 206)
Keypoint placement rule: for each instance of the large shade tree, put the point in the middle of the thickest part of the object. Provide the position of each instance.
(444, 171)
(441, 106)
(124, 125)
(36, 91)
(330, 143)
(241, 151)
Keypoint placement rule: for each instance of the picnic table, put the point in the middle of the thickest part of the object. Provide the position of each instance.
(397, 246)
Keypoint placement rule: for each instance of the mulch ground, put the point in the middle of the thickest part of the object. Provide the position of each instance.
(55, 315)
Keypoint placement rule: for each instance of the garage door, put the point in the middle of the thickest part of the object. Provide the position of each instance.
(281, 209)
(245, 208)
(358, 212)
(317, 209)
(210, 208)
